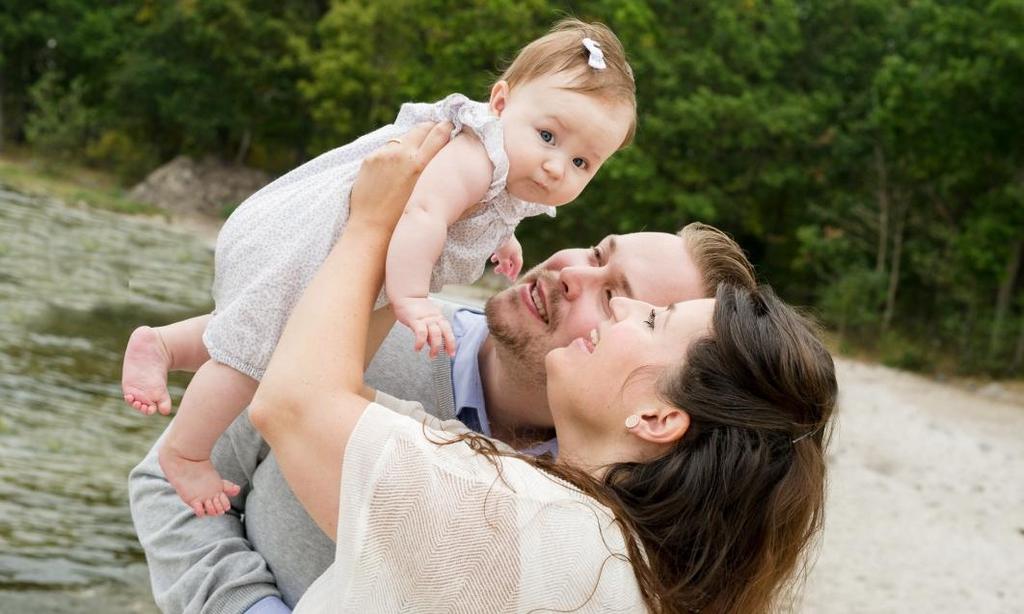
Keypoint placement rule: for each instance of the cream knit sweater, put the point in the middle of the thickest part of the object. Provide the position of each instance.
(428, 528)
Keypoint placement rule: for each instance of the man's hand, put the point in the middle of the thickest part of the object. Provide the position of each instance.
(427, 323)
(509, 257)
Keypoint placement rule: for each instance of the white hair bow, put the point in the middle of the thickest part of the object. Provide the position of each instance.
(596, 55)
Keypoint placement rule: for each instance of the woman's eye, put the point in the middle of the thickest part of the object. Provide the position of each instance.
(546, 136)
(579, 162)
(650, 320)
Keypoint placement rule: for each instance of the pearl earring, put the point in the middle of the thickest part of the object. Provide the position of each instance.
(632, 421)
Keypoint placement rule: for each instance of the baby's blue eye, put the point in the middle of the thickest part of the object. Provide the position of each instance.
(579, 162)
(546, 136)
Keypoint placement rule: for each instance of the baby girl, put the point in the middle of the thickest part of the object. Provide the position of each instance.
(560, 110)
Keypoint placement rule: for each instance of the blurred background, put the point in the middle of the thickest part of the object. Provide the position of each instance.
(868, 154)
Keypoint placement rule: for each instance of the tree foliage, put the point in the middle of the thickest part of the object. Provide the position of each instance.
(867, 153)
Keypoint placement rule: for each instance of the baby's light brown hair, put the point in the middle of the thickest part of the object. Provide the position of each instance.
(562, 49)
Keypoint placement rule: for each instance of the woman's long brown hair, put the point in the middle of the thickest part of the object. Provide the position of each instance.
(725, 517)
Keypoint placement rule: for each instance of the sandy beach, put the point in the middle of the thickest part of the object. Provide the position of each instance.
(926, 503)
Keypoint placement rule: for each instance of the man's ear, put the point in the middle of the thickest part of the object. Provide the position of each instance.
(662, 424)
(499, 97)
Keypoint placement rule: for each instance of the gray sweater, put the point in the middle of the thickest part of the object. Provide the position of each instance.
(228, 563)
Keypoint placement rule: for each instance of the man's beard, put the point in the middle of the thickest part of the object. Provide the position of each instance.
(522, 352)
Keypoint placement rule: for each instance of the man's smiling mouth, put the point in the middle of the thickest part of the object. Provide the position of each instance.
(537, 297)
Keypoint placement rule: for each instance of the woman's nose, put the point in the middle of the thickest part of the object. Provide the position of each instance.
(623, 307)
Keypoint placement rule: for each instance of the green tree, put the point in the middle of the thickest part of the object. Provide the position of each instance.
(867, 153)
(370, 57)
(212, 77)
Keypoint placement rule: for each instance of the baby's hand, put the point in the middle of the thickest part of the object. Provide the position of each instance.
(428, 324)
(509, 257)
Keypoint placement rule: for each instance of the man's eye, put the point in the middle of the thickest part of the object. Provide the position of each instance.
(650, 320)
(546, 136)
(579, 162)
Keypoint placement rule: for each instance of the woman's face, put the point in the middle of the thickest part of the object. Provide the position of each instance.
(587, 380)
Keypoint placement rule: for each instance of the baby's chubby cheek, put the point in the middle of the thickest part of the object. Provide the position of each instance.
(519, 189)
(518, 164)
(570, 195)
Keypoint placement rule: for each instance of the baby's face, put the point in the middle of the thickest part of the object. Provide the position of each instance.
(556, 139)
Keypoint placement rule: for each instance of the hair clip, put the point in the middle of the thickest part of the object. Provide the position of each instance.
(596, 55)
(808, 434)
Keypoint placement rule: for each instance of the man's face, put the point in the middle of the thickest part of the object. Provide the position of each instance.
(570, 293)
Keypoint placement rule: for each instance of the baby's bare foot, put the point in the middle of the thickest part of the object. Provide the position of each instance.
(197, 483)
(144, 374)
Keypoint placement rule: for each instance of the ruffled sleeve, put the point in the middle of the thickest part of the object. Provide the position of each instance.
(465, 114)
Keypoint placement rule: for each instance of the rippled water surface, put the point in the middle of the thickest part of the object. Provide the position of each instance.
(73, 284)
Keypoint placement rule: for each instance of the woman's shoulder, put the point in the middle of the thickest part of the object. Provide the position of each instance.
(439, 440)
(403, 428)
(559, 501)
(503, 503)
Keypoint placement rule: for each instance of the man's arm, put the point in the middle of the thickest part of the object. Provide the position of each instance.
(201, 564)
(192, 560)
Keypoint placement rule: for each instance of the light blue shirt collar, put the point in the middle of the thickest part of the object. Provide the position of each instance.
(470, 329)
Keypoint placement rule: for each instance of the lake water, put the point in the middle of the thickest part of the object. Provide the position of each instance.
(73, 284)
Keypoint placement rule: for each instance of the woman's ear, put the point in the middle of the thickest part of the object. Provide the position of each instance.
(499, 97)
(662, 424)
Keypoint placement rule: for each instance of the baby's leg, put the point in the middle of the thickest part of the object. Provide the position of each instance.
(216, 396)
(151, 353)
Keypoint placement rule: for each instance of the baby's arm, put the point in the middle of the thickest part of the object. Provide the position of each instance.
(455, 180)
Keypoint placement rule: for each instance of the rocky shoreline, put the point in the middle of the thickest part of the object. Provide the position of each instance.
(207, 187)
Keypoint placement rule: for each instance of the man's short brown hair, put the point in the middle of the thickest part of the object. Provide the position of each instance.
(718, 258)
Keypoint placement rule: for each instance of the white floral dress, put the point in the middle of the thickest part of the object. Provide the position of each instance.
(273, 244)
